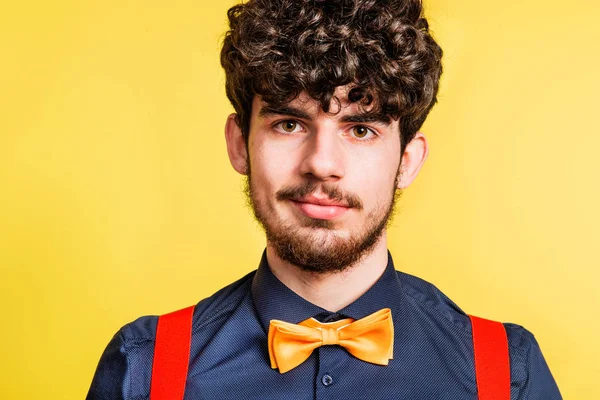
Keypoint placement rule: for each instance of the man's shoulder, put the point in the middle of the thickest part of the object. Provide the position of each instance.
(427, 296)
(209, 310)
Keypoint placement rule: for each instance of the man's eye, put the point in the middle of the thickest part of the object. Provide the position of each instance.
(289, 126)
(361, 131)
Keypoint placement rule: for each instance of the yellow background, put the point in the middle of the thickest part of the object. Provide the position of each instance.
(117, 198)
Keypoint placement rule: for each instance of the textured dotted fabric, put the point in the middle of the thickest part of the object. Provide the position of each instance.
(433, 349)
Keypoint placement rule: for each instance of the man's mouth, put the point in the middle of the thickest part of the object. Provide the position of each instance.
(320, 207)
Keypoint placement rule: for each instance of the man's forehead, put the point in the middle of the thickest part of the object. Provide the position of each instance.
(302, 102)
(304, 106)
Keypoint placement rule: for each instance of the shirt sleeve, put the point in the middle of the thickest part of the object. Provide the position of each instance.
(110, 379)
(531, 378)
(125, 368)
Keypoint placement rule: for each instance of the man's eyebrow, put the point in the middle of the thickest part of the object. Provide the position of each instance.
(367, 118)
(269, 111)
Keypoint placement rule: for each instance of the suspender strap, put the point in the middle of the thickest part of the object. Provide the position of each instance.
(492, 367)
(171, 355)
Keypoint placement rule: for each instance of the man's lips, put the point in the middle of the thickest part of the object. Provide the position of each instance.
(320, 208)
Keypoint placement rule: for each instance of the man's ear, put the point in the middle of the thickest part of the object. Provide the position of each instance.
(414, 157)
(236, 145)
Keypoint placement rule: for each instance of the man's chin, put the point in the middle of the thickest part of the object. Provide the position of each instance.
(319, 250)
(321, 232)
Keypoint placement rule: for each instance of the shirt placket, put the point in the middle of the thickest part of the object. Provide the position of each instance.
(329, 377)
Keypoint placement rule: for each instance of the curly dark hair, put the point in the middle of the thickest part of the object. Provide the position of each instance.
(381, 48)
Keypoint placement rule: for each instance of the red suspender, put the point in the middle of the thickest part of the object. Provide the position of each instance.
(171, 355)
(492, 368)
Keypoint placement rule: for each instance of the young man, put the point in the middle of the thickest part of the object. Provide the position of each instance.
(329, 96)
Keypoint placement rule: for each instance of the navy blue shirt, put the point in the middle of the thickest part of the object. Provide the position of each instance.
(229, 359)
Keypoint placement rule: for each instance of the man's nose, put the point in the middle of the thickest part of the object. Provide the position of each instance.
(323, 155)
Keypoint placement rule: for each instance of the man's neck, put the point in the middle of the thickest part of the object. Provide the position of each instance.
(332, 291)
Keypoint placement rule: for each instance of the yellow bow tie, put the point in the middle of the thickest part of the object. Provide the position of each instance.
(370, 339)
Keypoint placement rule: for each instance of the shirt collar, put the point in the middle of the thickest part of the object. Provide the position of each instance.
(273, 300)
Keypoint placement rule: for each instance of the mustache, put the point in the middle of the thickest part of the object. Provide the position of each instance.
(333, 192)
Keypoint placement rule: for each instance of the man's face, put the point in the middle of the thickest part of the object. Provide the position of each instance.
(323, 185)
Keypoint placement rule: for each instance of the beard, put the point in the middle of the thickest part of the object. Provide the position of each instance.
(321, 250)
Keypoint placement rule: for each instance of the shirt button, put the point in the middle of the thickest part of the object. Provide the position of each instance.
(326, 380)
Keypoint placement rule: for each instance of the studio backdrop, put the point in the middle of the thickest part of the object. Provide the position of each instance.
(117, 198)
